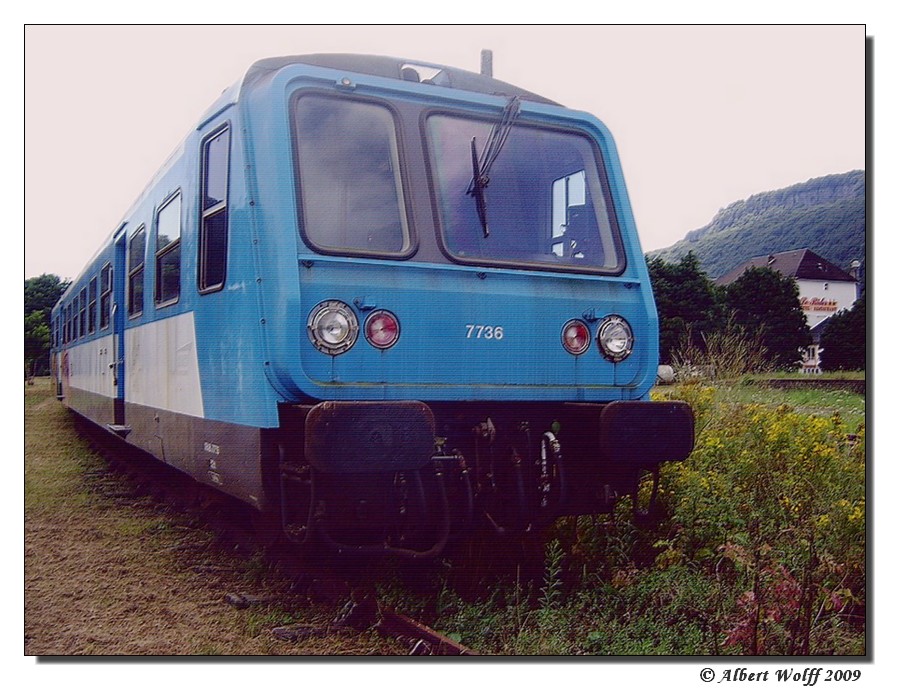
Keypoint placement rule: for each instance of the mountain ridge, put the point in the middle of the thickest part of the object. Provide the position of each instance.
(824, 214)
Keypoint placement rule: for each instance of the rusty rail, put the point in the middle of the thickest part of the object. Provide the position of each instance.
(428, 641)
(364, 615)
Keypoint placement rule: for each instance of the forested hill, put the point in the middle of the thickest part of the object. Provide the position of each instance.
(826, 215)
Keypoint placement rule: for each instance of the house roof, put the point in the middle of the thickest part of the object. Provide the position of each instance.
(817, 330)
(801, 264)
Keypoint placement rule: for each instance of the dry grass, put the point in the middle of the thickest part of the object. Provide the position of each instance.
(726, 354)
(111, 572)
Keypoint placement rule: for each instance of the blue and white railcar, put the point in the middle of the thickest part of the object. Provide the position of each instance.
(384, 300)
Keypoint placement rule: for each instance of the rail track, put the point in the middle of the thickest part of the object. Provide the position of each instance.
(853, 385)
(415, 635)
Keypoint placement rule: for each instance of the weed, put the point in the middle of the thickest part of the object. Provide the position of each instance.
(259, 621)
(551, 592)
(726, 353)
(762, 549)
(256, 568)
(772, 503)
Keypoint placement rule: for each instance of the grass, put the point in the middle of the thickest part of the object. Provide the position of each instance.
(110, 571)
(115, 572)
(55, 459)
(815, 402)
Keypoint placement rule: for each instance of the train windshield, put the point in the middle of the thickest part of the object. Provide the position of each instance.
(349, 168)
(545, 201)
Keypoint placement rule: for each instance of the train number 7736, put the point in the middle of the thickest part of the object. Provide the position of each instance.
(474, 330)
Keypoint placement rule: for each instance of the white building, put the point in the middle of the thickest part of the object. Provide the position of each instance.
(824, 290)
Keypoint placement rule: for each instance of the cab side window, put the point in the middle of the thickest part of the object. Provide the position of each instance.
(168, 251)
(214, 212)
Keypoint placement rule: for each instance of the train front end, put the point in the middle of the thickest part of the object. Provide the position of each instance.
(471, 338)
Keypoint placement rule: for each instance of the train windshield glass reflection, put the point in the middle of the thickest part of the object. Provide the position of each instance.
(546, 199)
(349, 168)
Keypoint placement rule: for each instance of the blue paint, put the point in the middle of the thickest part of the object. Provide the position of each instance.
(252, 346)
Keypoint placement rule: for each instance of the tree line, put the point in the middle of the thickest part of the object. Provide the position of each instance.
(753, 323)
(41, 294)
(759, 312)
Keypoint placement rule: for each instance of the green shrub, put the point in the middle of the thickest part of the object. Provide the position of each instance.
(671, 612)
(772, 503)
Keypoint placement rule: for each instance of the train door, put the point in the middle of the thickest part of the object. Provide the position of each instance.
(117, 354)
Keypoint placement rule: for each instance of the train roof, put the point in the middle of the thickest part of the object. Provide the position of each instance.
(396, 68)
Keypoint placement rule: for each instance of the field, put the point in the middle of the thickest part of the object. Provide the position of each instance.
(758, 547)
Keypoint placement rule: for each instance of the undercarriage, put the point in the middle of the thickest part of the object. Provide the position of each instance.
(406, 478)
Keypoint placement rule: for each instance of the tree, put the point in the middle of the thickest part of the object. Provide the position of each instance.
(41, 294)
(686, 300)
(37, 341)
(763, 298)
(843, 341)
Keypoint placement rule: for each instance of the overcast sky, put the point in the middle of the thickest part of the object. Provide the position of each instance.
(702, 116)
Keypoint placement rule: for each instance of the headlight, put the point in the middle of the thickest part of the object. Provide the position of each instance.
(614, 338)
(332, 327)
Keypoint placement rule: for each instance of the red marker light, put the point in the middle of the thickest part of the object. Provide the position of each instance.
(576, 337)
(382, 329)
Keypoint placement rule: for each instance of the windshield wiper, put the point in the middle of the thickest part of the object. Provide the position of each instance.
(476, 189)
(481, 166)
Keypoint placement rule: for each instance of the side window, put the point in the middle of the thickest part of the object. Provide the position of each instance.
(136, 271)
(214, 213)
(168, 251)
(92, 305)
(105, 295)
(82, 313)
(568, 193)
